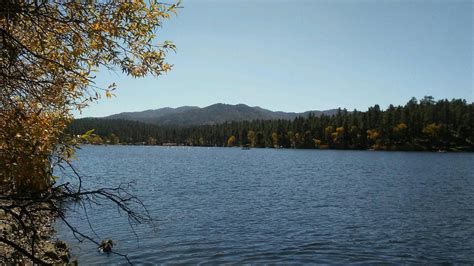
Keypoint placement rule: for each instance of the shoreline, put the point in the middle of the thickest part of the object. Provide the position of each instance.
(50, 249)
(471, 150)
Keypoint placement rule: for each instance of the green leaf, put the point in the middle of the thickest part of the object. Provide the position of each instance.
(87, 134)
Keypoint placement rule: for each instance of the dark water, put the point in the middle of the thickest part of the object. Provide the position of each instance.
(225, 205)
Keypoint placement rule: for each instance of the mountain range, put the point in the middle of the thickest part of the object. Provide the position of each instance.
(213, 114)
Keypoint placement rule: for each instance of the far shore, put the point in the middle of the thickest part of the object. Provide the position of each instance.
(451, 150)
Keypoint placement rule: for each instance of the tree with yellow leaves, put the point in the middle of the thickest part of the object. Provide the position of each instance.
(275, 140)
(373, 137)
(251, 136)
(231, 141)
(50, 52)
(433, 131)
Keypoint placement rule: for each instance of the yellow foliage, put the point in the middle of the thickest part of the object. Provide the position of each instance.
(317, 143)
(108, 94)
(328, 130)
(231, 141)
(373, 134)
(49, 55)
(432, 130)
(400, 127)
(251, 137)
(26, 144)
(275, 139)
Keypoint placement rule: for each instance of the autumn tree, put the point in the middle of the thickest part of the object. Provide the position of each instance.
(328, 137)
(399, 131)
(251, 137)
(373, 135)
(350, 129)
(50, 53)
(275, 140)
(433, 131)
(231, 141)
(317, 143)
(113, 139)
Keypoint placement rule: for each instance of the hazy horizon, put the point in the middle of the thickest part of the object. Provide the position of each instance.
(259, 106)
(310, 55)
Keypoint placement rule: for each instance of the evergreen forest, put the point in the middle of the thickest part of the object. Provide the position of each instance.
(426, 124)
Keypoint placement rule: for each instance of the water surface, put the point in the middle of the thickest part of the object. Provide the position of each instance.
(227, 205)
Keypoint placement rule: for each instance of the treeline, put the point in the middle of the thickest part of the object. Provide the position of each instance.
(419, 125)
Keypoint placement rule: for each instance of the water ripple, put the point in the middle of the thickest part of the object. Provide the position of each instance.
(269, 206)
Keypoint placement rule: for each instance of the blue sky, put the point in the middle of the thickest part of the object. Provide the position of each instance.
(306, 55)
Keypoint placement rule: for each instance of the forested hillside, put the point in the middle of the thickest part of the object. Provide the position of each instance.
(418, 125)
(151, 116)
(210, 115)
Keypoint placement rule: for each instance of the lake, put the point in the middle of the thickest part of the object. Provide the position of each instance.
(227, 205)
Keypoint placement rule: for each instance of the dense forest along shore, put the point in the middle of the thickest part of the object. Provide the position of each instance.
(425, 125)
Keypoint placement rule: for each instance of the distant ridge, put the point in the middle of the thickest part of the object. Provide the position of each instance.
(213, 114)
(145, 116)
